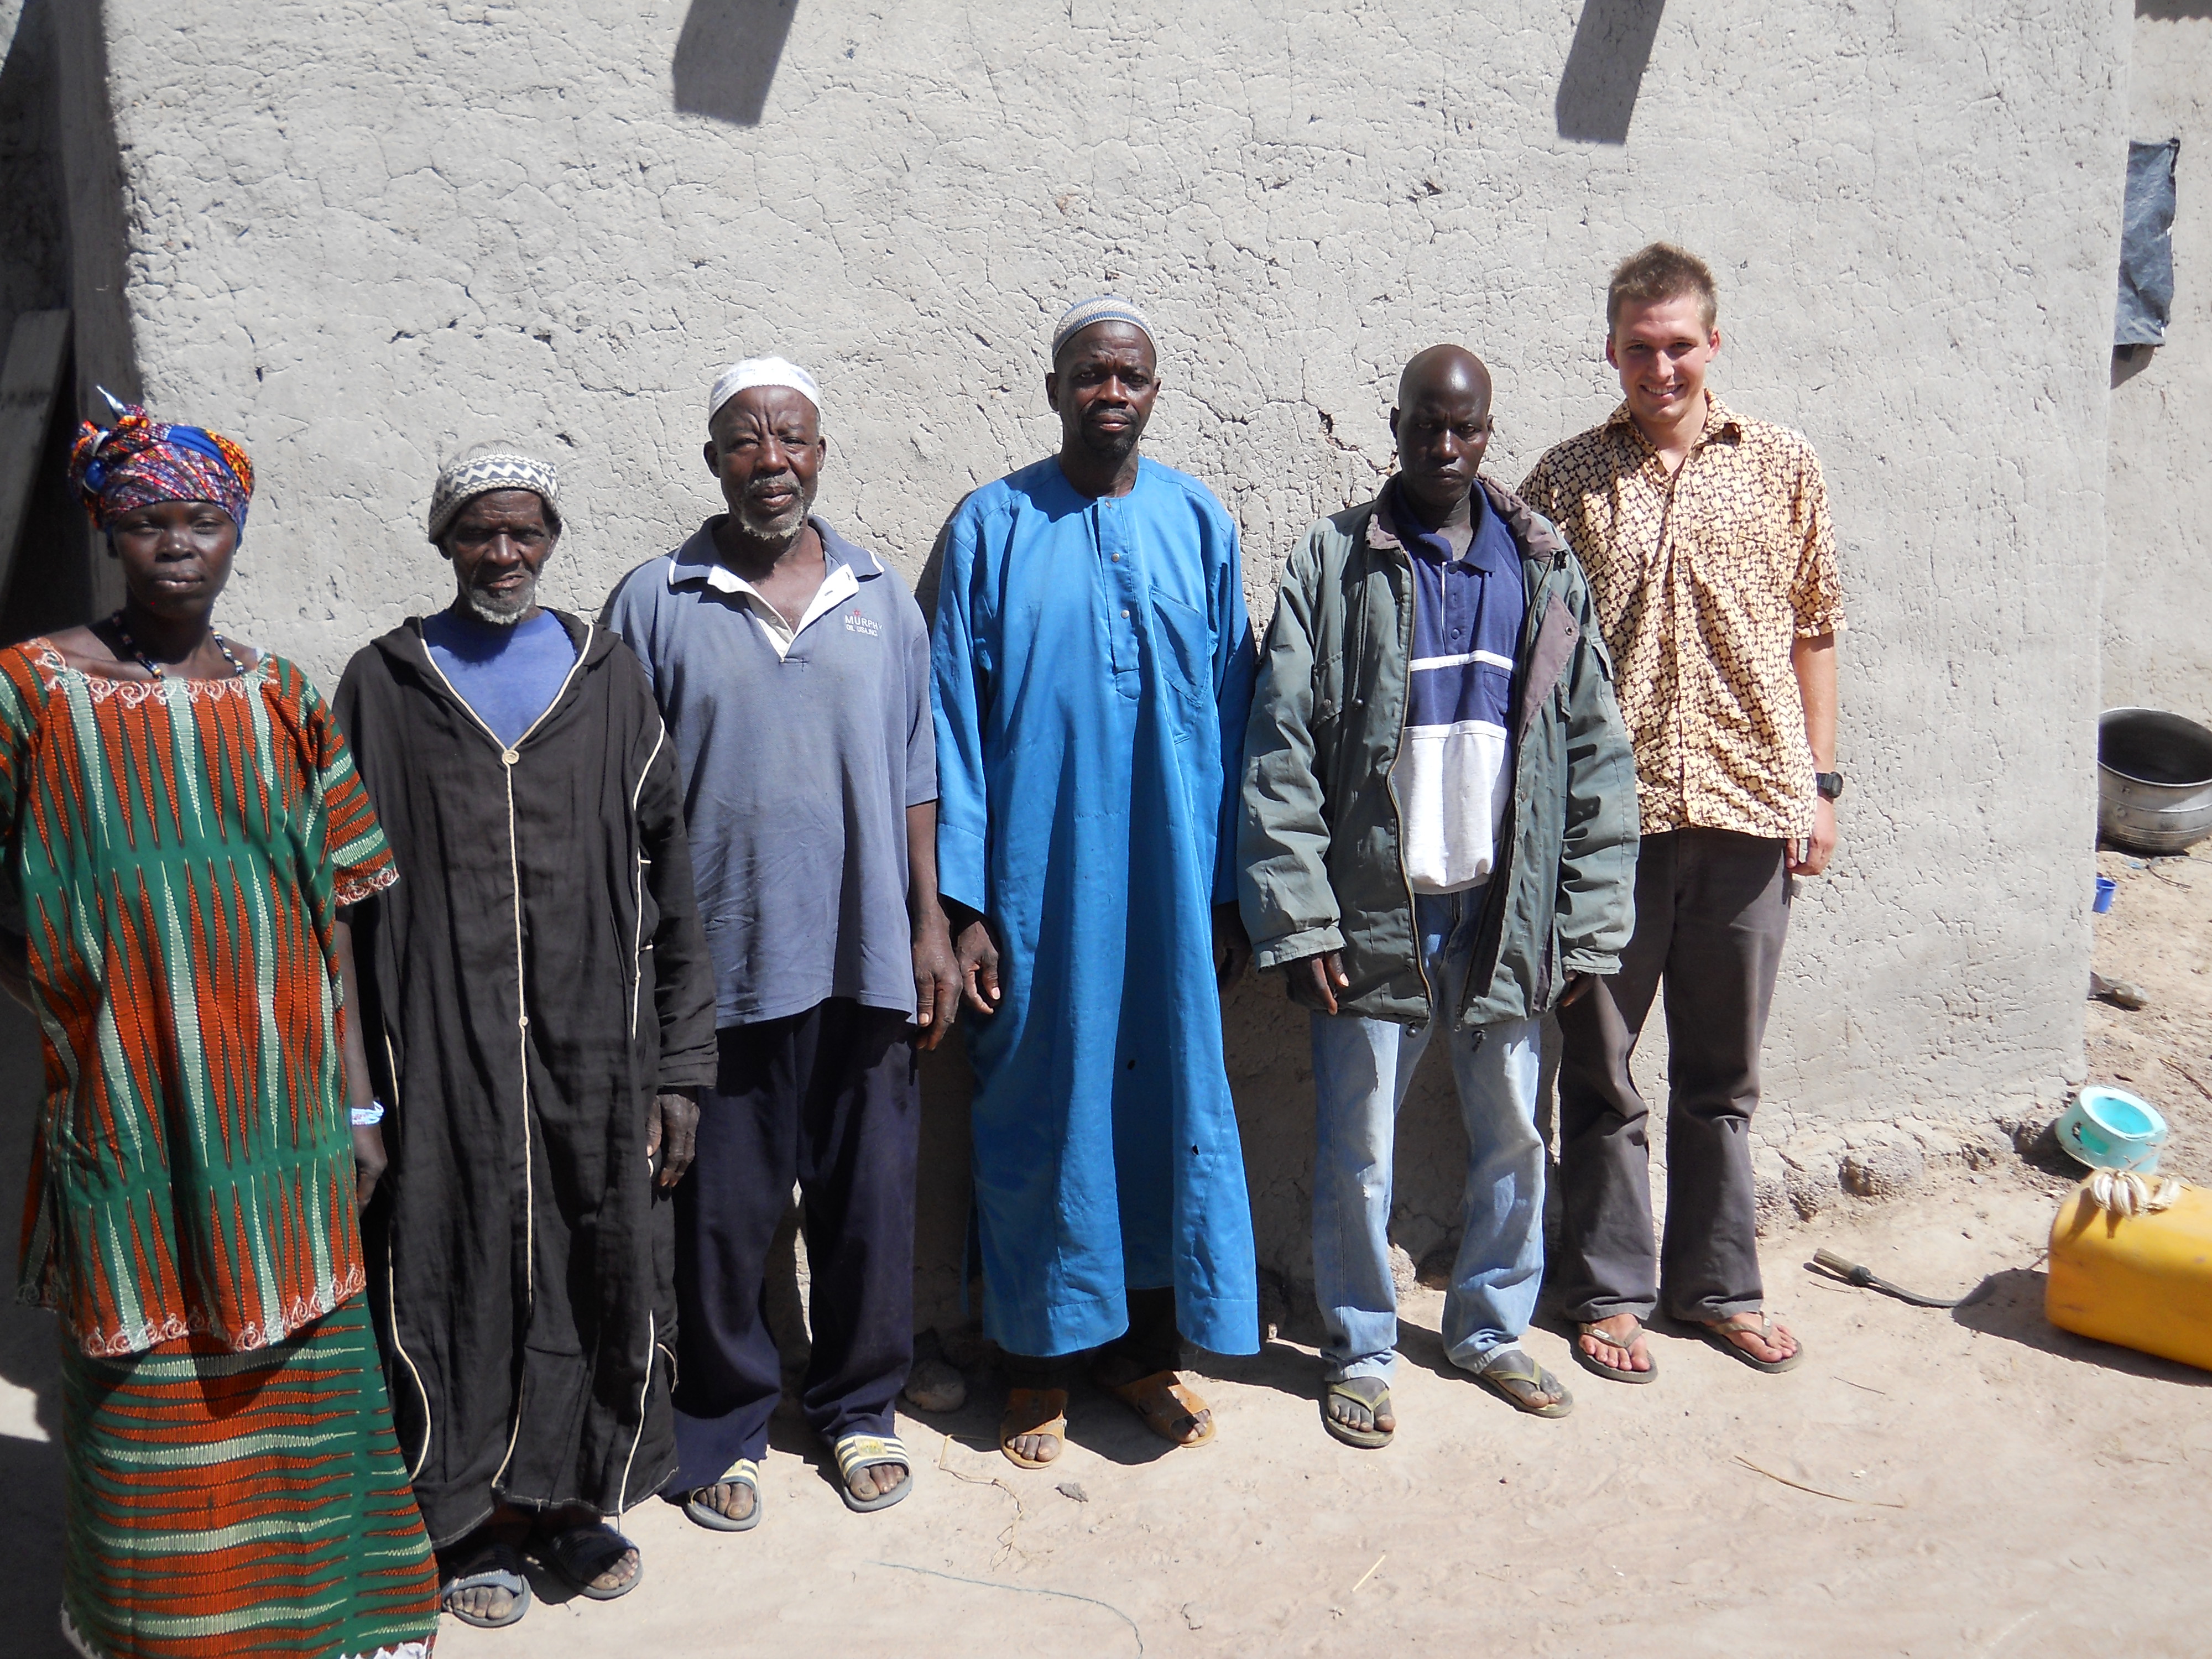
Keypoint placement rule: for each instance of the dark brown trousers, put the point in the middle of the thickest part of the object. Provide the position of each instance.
(1711, 910)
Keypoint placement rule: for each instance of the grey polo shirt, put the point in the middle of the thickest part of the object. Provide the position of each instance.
(798, 769)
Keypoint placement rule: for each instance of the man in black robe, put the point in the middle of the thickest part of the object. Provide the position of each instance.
(538, 1005)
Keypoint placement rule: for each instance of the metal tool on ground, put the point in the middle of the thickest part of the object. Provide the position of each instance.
(1852, 1272)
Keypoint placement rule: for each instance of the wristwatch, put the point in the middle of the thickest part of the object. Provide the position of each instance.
(1829, 784)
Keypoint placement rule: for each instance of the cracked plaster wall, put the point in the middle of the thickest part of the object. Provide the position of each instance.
(362, 235)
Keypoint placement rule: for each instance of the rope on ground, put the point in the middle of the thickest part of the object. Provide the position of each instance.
(2123, 1193)
(2192, 1076)
(1997, 1641)
(1020, 1589)
(1869, 1503)
(1007, 1548)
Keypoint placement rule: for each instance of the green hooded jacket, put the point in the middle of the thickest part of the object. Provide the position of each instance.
(1318, 854)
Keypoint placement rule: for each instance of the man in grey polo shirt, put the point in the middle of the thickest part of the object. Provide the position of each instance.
(793, 669)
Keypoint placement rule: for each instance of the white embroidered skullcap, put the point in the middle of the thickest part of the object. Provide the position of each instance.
(1105, 309)
(761, 371)
(482, 471)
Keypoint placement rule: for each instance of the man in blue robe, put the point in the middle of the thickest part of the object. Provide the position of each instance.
(1093, 666)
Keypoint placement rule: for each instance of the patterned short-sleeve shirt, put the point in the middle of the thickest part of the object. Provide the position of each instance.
(176, 854)
(1703, 579)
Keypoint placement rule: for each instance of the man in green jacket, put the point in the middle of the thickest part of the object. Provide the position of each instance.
(1439, 831)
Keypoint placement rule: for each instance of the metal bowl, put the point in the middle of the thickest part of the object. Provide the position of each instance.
(2153, 781)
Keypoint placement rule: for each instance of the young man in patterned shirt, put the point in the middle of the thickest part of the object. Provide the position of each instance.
(1706, 538)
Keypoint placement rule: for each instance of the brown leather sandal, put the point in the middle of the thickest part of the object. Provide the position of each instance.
(1169, 1409)
(1033, 1411)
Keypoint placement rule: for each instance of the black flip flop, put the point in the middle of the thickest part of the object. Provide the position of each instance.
(580, 1553)
(1713, 1335)
(1597, 1367)
(1347, 1388)
(1498, 1373)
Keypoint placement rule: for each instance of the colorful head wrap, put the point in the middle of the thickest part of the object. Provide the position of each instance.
(761, 371)
(140, 461)
(1106, 308)
(483, 471)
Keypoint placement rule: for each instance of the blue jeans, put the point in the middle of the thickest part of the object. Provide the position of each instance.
(1362, 1068)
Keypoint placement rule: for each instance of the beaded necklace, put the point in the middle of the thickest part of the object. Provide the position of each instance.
(154, 668)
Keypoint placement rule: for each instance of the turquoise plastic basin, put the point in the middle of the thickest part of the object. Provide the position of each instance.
(2112, 1129)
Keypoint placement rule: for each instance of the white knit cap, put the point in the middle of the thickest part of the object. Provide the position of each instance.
(761, 371)
(1102, 308)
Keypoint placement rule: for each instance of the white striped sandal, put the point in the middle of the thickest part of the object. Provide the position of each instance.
(855, 1452)
(744, 1472)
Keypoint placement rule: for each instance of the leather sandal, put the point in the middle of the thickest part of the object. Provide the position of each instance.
(1034, 1411)
(1169, 1408)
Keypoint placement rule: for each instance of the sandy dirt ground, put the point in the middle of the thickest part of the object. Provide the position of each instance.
(2158, 935)
(1970, 1482)
(1979, 1484)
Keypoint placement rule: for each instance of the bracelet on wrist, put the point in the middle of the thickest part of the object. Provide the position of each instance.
(368, 1116)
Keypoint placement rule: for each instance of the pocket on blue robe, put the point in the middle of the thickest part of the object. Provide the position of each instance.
(1182, 653)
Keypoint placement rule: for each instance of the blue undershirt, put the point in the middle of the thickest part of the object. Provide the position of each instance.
(509, 676)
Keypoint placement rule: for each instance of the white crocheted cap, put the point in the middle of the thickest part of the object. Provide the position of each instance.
(1102, 308)
(483, 471)
(761, 371)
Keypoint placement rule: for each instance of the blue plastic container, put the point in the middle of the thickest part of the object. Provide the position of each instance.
(2112, 1129)
(2105, 888)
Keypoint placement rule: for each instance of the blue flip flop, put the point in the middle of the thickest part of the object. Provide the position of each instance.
(504, 1573)
(743, 1473)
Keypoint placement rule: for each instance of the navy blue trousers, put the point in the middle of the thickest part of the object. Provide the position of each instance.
(830, 1099)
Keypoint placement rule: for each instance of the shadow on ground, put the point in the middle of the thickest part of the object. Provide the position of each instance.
(2009, 1304)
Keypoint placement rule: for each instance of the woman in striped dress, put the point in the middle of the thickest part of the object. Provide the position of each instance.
(184, 831)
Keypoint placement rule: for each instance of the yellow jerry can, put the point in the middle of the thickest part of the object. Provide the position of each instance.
(2143, 1281)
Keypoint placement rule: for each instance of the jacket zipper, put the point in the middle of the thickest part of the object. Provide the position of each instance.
(1390, 778)
(509, 754)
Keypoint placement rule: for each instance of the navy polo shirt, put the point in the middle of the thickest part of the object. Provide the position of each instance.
(1454, 774)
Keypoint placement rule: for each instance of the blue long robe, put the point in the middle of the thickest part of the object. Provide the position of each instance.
(1093, 666)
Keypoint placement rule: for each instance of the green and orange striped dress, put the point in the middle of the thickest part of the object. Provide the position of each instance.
(177, 853)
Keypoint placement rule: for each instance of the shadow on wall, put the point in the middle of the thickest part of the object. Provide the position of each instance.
(726, 57)
(1605, 69)
(30, 1469)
